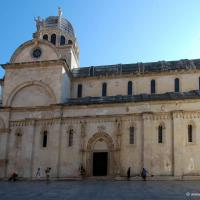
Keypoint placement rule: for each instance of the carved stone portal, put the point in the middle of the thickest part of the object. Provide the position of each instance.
(94, 146)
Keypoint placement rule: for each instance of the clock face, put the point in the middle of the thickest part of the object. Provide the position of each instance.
(37, 53)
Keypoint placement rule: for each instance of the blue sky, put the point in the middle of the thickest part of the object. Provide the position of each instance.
(111, 31)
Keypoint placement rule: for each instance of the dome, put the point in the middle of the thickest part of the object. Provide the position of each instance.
(59, 22)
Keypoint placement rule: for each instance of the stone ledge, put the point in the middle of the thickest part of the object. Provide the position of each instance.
(193, 94)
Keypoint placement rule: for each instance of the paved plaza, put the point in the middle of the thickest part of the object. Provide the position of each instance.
(100, 190)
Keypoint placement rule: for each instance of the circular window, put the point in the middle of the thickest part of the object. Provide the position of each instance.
(37, 53)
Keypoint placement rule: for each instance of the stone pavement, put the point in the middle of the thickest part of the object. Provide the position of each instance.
(100, 190)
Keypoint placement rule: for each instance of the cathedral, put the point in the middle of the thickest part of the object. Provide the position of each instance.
(96, 121)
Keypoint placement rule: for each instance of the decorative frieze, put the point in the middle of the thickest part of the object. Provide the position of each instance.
(25, 122)
(186, 114)
(156, 116)
(101, 129)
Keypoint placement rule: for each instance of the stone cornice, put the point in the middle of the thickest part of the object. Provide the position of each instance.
(131, 75)
(34, 108)
(45, 63)
(168, 96)
(138, 69)
(63, 106)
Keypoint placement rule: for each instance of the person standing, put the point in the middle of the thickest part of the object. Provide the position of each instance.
(144, 174)
(38, 173)
(13, 177)
(47, 172)
(128, 173)
(82, 171)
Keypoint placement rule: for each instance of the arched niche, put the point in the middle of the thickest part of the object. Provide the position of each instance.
(30, 94)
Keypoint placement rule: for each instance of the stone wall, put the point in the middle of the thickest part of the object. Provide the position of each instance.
(141, 84)
(49, 79)
(175, 156)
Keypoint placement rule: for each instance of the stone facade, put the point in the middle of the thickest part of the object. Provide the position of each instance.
(44, 124)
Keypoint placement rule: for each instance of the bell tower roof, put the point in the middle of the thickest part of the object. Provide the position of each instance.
(59, 31)
(55, 22)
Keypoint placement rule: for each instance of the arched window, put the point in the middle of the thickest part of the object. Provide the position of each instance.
(70, 141)
(53, 39)
(153, 86)
(130, 88)
(199, 83)
(45, 37)
(104, 89)
(62, 40)
(190, 134)
(176, 85)
(18, 139)
(160, 134)
(44, 139)
(79, 90)
(70, 42)
(132, 135)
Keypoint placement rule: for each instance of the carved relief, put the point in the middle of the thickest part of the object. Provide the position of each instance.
(162, 108)
(83, 126)
(101, 128)
(98, 136)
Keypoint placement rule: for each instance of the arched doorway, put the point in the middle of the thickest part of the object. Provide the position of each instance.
(100, 158)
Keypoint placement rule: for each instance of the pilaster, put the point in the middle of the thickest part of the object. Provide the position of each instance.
(178, 142)
(147, 140)
(118, 146)
(82, 143)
